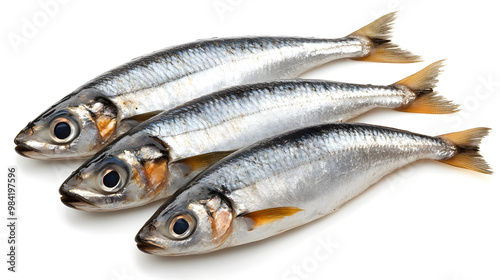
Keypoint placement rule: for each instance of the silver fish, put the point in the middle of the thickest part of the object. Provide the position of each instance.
(99, 111)
(290, 180)
(162, 154)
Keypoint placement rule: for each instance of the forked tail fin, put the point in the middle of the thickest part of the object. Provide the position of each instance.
(382, 49)
(427, 101)
(467, 143)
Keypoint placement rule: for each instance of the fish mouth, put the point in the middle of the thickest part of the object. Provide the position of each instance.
(23, 149)
(147, 246)
(75, 201)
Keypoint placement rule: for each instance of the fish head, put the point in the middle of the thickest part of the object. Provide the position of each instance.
(191, 222)
(75, 127)
(129, 172)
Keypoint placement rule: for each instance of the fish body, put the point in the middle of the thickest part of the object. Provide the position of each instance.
(289, 180)
(162, 154)
(236, 117)
(111, 104)
(174, 76)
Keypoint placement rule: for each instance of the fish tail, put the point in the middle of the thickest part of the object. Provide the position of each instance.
(427, 101)
(467, 144)
(378, 33)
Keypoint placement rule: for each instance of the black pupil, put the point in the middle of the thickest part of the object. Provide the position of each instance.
(111, 179)
(180, 226)
(62, 130)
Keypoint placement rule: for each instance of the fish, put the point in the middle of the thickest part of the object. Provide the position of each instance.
(164, 153)
(104, 108)
(292, 179)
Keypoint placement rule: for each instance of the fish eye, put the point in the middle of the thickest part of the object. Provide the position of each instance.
(63, 130)
(112, 178)
(181, 226)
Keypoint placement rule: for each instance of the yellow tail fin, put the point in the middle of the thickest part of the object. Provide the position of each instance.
(383, 50)
(422, 84)
(467, 143)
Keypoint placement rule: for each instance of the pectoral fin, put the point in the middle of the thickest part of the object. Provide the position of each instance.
(129, 123)
(199, 162)
(270, 215)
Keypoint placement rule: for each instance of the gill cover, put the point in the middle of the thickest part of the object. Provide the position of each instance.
(131, 172)
(76, 127)
(192, 222)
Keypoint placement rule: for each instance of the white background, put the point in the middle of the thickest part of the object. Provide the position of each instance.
(426, 221)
